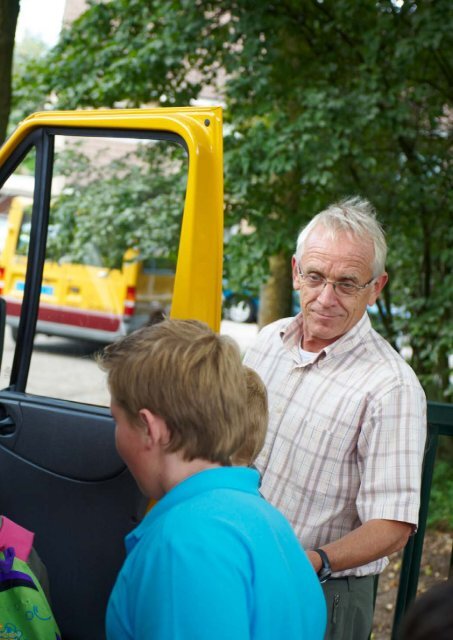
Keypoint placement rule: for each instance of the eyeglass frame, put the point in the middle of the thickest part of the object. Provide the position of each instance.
(334, 283)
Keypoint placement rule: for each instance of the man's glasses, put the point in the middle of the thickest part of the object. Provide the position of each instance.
(316, 281)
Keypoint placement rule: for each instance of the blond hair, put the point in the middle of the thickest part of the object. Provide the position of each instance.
(257, 419)
(190, 377)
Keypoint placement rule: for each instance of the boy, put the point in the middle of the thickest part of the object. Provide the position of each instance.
(212, 559)
(257, 416)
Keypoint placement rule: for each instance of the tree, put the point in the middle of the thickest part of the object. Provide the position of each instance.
(141, 190)
(324, 99)
(9, 11)
(35, 98)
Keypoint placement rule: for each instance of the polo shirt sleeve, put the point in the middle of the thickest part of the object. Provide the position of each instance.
(390, 454)
(194, 586)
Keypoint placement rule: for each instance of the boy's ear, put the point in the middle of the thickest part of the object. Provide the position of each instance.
(155, 428)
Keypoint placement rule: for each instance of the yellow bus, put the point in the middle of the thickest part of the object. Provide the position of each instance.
(87, 300)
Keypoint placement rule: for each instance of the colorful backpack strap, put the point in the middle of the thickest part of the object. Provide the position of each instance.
(10, 578)
(24, 609)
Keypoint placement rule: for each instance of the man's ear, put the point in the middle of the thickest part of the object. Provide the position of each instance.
(377, 287)
(295, 270)
(155, 428)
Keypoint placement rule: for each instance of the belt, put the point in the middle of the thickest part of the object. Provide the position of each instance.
(350, 582)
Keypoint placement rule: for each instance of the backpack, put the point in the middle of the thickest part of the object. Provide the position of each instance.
(25, 613)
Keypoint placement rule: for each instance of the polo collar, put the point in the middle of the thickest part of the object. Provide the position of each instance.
(243, 479)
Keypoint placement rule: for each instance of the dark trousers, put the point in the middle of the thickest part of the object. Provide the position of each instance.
(350, 607)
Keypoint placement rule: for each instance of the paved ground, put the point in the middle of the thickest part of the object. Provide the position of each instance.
(243, 333)
(65, 368)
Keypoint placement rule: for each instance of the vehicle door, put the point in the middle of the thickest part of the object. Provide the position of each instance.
(89, 174)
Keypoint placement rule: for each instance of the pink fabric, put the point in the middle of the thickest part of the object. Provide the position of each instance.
(13, 535)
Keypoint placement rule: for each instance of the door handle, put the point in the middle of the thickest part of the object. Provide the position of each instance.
(7, 426)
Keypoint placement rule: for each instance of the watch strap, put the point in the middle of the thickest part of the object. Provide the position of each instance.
(326, 570)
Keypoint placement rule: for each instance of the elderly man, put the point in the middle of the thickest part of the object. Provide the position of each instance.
(343, 454)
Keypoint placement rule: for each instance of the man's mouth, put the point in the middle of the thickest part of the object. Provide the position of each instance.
(323, 314)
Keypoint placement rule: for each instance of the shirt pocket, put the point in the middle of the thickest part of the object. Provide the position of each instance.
(297, 475)
(314, 450)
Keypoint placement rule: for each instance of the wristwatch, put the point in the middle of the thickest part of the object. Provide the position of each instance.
(326, 570)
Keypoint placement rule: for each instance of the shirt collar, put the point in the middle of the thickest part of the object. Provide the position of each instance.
(244, 479)
(291, 336)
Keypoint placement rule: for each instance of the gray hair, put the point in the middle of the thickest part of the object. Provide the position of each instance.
(351, 215)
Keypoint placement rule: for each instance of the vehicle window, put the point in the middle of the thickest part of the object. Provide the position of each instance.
(23, 239)
(16, 197)
(3, 230)
(111, 251)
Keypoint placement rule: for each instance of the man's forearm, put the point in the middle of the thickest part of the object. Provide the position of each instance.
(371, 541)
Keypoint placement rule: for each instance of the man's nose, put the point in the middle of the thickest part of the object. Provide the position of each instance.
(327, 294)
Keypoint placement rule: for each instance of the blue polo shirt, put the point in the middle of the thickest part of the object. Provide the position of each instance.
(214, 561)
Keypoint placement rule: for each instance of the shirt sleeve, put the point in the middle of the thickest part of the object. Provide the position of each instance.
(390, 455)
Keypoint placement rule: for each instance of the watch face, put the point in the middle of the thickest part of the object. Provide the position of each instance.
(324, 574)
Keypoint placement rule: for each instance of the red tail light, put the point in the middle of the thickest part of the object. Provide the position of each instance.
(129, 303)
(2, 280)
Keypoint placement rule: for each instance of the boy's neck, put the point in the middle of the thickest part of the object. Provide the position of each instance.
(176, 469)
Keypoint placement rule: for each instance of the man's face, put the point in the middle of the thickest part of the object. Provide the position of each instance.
(327, 314)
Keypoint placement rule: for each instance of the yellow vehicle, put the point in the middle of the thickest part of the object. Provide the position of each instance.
(60, 474)
(85, 301)
(87, 297)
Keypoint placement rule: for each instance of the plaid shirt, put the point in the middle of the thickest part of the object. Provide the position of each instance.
(346, 433)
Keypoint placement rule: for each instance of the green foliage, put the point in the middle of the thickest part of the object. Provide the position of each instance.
(28, 96)
(9, 12)
(244, 264)
(131, 203)
(440, 514)
(324, 99)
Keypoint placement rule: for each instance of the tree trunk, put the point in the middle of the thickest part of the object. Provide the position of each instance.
(9, 11)
(276, 293)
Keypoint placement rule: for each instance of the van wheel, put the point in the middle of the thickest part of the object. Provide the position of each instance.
(241, 310)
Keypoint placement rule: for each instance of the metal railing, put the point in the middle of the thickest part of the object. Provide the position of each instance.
(440, 423)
